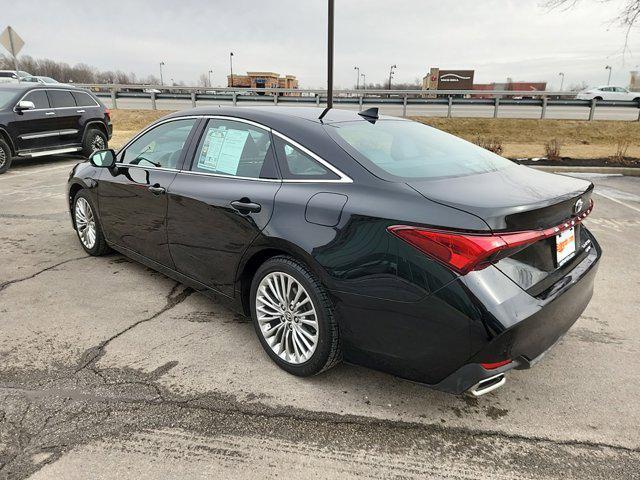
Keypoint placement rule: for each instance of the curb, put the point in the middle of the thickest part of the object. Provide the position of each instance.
(627, 171)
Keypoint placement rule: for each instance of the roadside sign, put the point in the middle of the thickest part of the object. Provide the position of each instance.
(10, 40)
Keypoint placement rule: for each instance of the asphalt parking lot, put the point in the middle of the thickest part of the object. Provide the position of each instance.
(108, 369)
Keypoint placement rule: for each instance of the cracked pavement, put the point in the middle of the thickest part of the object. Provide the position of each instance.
(111, 370)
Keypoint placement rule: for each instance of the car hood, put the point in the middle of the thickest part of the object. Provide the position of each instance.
(514, 198)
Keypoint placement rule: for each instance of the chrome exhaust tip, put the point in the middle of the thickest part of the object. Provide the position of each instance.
(487, 385)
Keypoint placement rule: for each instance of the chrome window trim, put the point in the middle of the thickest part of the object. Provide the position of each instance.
(143, 167)
(55, 108)
(343, 177)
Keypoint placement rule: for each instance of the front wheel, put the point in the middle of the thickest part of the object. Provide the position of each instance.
(94, 140)
(88, 226)
(293, 317)
(5, 156)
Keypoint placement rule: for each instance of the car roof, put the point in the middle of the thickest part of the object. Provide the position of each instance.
(278, 114)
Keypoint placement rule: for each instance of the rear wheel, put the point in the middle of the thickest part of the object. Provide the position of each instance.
(94, 140)
(293, 317)
(88, 226)
(5, 156)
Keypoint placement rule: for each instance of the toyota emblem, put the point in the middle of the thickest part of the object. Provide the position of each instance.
(578, 206)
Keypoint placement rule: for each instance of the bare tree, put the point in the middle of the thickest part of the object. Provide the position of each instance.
(203, 80)
(628, 17)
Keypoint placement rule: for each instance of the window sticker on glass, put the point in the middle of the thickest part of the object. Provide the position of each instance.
(222, 150)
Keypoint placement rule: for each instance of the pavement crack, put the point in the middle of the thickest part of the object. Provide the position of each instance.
(92, 355)
(39, 272)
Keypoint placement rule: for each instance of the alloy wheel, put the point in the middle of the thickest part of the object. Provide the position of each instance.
(97, 143)
(3, 157)
(85, 223)
(287, 317)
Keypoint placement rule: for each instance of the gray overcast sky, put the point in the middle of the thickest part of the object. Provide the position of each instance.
(497, 38)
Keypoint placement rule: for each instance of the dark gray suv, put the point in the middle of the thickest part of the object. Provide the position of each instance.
(36, 121)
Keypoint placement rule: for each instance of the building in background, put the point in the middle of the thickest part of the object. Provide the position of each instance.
(263, 80)
(509, 86)
(448, 80)
(634, 82)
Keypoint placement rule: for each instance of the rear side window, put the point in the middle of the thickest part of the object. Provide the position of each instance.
(298, 164)
(84, 99)
(235, 149)
(61, 98)
(38, 97)
(409, 150)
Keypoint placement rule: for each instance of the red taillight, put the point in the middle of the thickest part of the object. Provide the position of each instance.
(107, 112)
(465, 252)
(494, 365)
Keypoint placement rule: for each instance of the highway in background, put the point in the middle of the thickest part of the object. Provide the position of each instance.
(485, 111)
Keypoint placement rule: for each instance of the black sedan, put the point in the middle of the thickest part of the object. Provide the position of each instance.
(353, 236)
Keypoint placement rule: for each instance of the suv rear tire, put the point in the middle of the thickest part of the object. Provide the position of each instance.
(5, 156)
(94, 140)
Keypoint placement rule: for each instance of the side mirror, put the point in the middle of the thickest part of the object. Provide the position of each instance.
(103, 158)
(25, 105)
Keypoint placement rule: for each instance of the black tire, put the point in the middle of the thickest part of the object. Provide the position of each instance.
(328, 351)
(637, 100)
(94, 140)
(5, 156)
(100, 246)
(598, 99)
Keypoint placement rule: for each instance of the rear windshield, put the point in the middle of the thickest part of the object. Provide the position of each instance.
(412, 150)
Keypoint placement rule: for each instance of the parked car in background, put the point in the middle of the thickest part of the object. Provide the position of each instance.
(40, 79)
(36, 121)
(11, 76)
(608, 92)
(374, 239)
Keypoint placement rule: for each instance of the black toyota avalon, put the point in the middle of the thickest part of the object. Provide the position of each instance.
(353, 236)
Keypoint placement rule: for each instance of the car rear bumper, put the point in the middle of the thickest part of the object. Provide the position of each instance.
(528, 340)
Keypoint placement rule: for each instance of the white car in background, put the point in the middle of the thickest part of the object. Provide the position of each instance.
(608, 92)
(40, 79)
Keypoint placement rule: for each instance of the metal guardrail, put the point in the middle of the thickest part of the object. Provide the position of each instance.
(362, 97)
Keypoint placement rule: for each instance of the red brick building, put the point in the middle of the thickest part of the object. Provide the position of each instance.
(263, 80)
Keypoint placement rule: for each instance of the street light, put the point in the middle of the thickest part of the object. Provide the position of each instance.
(210, 73)
(561, 74)
(391, 74)
(357, 78)
(161, 64)
(231, 63)
(608, 67)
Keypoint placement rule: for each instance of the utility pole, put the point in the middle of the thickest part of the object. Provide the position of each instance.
(561, 81)
(391, 74)
(231, 64)
(161, 81)
(608, 67)
(357, 78)
(364, 81)
(210, 73)
(330, 55)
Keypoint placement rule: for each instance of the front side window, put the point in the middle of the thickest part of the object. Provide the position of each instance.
(234, 148)
(408, 150)
(61, 99)
(161, 146)
(296, 164)
(38, 97)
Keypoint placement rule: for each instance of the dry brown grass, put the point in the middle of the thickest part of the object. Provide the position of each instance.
(517, 137)
(552, 149)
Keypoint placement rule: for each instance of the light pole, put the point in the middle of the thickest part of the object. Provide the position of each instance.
(231, 64)
(357, 78)
(330, 17)
(561, 74)
(210, 73)
(161, 65)
(364, 81)
(608, 67)
(391, 74)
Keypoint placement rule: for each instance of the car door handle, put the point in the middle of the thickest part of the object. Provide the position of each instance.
(80, 111)
(157, 190)
(246, 206)
(50, 113)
